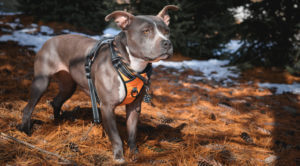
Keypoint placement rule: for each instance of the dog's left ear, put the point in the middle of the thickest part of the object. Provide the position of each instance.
(123, 19)
(163, 14)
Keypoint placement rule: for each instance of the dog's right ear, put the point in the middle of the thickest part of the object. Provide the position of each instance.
(163, 14)
(123, 19)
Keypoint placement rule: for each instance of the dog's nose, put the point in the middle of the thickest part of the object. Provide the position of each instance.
(166, 44)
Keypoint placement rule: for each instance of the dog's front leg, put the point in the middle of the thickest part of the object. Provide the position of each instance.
(110, 126)
(132, 115)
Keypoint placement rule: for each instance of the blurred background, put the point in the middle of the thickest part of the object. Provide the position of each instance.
(266, 31)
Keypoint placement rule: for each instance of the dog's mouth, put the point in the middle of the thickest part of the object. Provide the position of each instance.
(158, 58)
(164, 56)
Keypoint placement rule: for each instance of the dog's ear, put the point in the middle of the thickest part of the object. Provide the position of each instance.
(163, 14)
(122, 18)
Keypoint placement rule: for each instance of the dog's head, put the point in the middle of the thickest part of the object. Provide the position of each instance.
(147, 35)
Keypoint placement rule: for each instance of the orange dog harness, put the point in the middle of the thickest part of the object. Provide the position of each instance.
(132, 88)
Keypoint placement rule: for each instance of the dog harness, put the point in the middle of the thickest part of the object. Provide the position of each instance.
(133, 81)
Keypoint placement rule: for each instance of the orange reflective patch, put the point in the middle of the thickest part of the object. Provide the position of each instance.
(133, 88)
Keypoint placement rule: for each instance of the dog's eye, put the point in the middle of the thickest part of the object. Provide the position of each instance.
(166, 32)
(146, 31)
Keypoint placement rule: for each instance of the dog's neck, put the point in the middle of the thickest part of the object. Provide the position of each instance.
(137, 64)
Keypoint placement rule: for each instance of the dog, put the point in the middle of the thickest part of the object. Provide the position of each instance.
(144, 39)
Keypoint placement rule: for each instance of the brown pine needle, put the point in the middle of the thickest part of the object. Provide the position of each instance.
(8, 137)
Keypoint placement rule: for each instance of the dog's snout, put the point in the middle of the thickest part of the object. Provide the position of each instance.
(166, 44)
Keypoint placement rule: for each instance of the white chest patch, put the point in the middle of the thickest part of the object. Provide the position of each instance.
(136, 64)
(121, 90)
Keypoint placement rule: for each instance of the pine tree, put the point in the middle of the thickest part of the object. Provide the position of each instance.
(269, 35)
(87, 14)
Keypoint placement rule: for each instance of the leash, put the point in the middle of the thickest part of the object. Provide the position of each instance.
(88, 64)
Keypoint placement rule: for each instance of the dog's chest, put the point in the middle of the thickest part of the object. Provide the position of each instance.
(122, 92)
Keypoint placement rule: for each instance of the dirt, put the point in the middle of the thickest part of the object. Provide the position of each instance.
(188, 123)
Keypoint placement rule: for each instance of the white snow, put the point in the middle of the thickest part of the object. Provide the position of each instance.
(212, 69)
(13, 25)
(46, 29)
(34, 25)
(111, 32)
(197, 78)
(9, 13)
(282, 88)
(28, 37)
(25, 38)
(233, 46)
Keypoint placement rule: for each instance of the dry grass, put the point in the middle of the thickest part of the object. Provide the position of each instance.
(189, 123)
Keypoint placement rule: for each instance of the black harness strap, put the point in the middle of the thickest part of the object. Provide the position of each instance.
(88, 65)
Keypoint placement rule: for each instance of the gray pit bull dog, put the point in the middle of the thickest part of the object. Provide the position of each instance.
(143, 40)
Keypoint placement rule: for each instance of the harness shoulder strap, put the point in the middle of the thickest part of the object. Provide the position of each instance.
(88, 65)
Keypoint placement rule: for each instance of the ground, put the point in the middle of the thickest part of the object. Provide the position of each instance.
(188, 123)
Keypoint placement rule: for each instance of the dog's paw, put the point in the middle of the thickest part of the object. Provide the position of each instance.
(23, 128)
(120, 161)
(134, 154)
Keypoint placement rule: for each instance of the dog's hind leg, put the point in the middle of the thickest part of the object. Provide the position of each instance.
(67, 87)
(38, 87)
(43, 69)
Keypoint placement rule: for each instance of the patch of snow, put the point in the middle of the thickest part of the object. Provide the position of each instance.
(47, 30)
(17, 20)
(233, 46)
(9, 13)
(13, 25)
(24, 38)
(111, 32)
(6, 30)
(212, 69)
(197, 78)
(72, 32)
(28, 30)
(282, 88)
(96, 37)
(34, 25)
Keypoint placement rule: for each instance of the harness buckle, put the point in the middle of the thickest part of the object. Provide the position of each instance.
(134, 92)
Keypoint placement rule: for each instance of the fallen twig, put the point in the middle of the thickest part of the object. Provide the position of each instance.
(8, 137)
